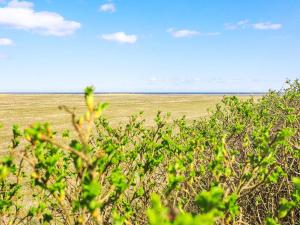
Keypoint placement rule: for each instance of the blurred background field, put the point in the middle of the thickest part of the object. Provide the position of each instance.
(24, 109)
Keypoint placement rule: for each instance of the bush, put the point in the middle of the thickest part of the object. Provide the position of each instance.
(238, 166)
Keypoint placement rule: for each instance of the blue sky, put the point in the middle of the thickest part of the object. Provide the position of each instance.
(148, 45)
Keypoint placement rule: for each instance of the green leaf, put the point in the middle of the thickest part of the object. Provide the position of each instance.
(92, 189)
(271, 221)
(285, 207)
(209, 200)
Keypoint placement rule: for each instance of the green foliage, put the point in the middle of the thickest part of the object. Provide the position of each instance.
(241, 165)
(271, 221)
(209, 200)
(160, 215)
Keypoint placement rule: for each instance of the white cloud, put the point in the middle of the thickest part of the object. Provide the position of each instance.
(184, 33)
(20, 4)
(108, 7)
(6, 42)
(21, 15)
(267, 26)
(244, 24)
(120, 37)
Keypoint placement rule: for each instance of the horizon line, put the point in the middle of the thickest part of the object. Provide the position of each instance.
(141, 92)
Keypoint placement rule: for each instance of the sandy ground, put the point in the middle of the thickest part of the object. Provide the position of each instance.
(27, 109)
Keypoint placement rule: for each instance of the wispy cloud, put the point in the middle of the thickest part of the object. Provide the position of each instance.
(174, 80)
(120, 37)
(20, 4)
(267, 26)
(239, 25)
(211, 83)
(108, 7)
(6, 42)
(245, 24)
(185, 33)
(21, 15)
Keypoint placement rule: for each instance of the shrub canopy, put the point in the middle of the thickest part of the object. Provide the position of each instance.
(240, 165)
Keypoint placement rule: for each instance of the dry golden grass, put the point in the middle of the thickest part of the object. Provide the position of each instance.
(27, 109)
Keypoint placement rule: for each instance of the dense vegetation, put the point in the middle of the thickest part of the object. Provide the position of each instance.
(240, 165)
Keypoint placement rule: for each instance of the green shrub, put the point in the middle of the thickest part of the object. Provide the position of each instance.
(238, 166)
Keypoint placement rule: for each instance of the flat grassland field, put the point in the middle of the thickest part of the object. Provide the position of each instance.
(25, 109)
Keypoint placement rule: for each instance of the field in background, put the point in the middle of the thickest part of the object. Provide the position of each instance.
(26, 109)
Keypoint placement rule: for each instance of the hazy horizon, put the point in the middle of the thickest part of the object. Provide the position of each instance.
(132, 93)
